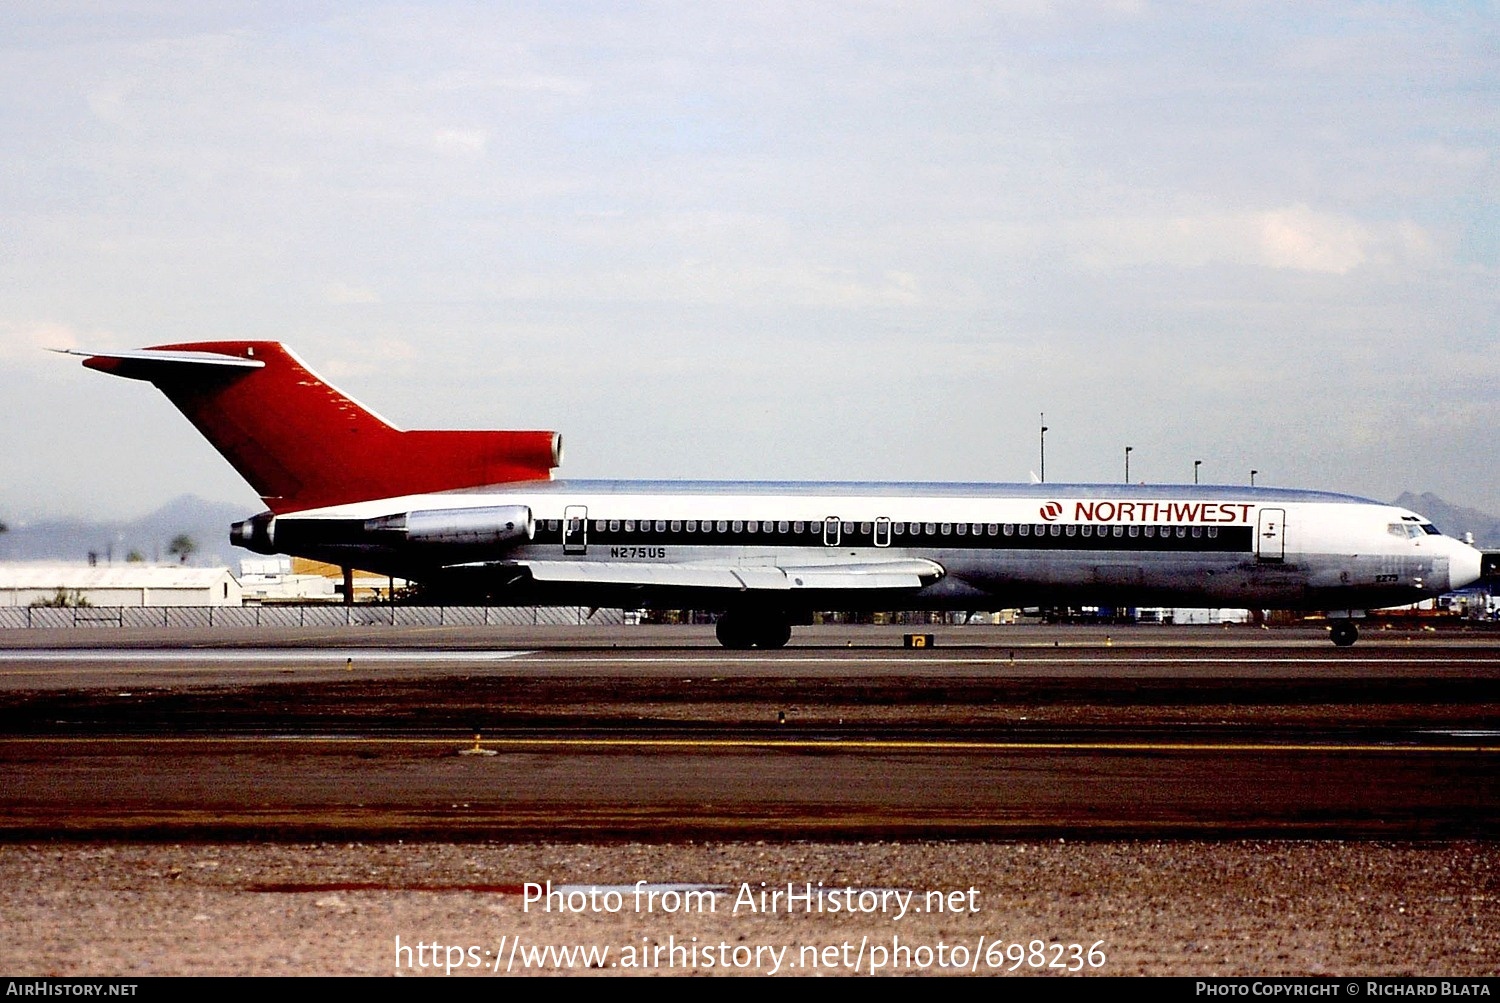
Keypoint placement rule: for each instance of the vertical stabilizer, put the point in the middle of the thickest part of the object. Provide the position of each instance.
(302, 443)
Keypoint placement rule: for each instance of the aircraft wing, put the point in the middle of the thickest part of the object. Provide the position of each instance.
(906, 573)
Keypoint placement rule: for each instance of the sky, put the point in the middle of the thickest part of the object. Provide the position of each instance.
(862, 241)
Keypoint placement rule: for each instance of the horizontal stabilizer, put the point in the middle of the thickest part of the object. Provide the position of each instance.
(149, 365)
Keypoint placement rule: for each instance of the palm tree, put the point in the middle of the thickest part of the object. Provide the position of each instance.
(183, 546)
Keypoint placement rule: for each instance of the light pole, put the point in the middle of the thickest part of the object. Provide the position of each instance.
(1044, 446)
(1196, 465)
(1128, 450)
(1252, 477)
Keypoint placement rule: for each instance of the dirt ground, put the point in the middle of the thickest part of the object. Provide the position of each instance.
(1131, 908)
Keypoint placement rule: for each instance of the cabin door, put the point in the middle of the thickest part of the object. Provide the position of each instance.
(576, 529)
(1270, 534)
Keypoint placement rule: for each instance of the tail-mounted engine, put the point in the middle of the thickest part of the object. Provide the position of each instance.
(422, 529)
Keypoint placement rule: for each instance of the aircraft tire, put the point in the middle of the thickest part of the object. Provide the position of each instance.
(773, 634)
(734, 632)
(1344, 633)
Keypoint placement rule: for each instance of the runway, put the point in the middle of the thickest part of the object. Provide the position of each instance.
(630, 733)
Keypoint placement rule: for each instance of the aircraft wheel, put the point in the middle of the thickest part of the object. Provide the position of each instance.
(773, 634)
(733, 632)
(1345, 633)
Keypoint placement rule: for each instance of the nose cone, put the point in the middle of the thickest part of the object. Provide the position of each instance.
(1465, 566)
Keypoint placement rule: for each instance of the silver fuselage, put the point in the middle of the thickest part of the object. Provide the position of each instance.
(996, 545)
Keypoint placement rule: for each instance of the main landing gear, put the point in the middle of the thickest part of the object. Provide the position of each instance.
(1344, 632)
(740, 629)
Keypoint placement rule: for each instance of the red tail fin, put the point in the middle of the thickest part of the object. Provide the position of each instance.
(301, 443)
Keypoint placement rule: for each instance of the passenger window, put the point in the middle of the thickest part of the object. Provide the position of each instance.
(1070, 529)
(630, 525)
(1213, 532)
(1025, 529)
(992, 529)
(930, 529)
(898, 528)
(1088, 530)
(1056, 530)
(722, 527)
(781, 526)
(799, 526)
(738, 526)
(1135, 531)
(614, 525)
(865, 528)
(661, 526)
(692, 525)
(1010, 528)
(962, 528)
(752, 526)
(1119, 530)
(677, 525)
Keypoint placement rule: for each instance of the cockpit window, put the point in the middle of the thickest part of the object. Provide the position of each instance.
(1431, 530)
(1396, 529)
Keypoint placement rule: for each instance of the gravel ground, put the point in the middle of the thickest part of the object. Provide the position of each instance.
(1159, 908)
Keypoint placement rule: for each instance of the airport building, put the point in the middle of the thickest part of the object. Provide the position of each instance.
(274, 580)
(46, 583)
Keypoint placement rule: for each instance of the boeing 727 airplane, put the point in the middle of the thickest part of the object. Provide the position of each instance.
(477, 515)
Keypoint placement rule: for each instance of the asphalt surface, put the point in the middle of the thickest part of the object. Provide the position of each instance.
(1188, 802)
(653, 733)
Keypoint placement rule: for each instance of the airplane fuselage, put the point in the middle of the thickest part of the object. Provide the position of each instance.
(990, 545)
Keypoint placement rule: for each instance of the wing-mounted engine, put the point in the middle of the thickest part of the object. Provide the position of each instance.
(459, 530)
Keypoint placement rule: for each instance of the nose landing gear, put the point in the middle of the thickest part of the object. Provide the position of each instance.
(1344, 632)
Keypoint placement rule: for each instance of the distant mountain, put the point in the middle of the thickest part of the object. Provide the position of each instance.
(205, 522)
(1453, 519)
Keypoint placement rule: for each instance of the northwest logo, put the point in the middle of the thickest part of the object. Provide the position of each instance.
(1051, 510)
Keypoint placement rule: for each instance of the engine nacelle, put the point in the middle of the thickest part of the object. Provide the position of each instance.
(467, 527)
(254, 534)
(442, 527)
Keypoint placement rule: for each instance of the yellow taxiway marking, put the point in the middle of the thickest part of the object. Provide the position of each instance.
(821, 745)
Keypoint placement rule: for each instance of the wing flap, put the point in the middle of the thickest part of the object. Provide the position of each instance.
(902, 574)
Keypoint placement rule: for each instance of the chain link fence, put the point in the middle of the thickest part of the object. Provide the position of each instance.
(179, 617)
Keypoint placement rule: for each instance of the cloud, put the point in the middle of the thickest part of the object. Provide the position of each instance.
(1302, 240)
(344, 294)
(23, 343)
(1294, 238)
(459, 142)
(359, 357)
